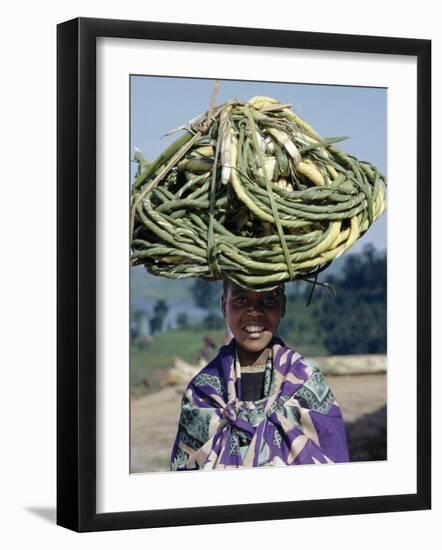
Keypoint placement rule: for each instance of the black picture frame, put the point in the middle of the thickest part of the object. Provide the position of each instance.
(76, 273)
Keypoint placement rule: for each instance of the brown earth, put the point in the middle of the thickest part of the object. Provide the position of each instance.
(362, 397)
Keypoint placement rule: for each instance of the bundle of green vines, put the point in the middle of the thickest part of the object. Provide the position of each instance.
(250, 192)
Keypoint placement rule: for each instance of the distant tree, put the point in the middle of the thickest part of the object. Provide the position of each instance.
(156, 325)
(133, 331)
(206, 294)
(182, 320)
(355, 320)
(286, 327)
(214, 321)
(161, 308)
(160, 311)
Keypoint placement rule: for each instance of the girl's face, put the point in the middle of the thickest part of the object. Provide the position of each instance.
(253, 317)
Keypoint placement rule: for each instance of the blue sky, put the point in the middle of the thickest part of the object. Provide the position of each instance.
(159, 104)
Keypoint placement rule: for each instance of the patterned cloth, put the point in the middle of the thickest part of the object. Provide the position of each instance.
(298, 421)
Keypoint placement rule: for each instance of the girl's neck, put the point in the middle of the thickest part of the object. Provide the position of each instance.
(250, 358)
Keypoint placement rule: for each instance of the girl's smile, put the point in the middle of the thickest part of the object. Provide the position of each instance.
(253, 318)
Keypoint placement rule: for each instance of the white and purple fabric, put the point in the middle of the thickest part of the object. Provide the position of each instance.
(298, 421)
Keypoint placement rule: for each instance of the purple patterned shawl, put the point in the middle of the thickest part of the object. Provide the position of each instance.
(297, 422)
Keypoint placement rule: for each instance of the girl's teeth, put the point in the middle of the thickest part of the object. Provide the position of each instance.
(254, 329)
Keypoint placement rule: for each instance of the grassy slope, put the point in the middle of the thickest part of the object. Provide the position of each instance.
(184, 343)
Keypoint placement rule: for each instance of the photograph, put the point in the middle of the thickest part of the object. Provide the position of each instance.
(258, 273)
(221, 324)
(243, 274)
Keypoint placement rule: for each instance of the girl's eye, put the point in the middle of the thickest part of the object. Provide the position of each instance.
(240, 300)
(269, 301)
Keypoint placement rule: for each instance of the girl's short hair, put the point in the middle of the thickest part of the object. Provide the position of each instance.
(280, 289)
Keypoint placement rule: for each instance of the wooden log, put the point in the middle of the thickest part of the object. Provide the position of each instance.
(351, 364)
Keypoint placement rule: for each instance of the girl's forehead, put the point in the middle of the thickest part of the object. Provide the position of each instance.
(235, 289)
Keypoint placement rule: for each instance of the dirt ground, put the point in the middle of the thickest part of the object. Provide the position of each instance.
(154, 419)
(154, 422)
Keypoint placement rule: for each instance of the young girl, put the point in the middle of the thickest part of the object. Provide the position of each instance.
(257, 403)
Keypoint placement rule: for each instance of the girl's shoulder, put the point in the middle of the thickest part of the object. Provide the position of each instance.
(214, 374)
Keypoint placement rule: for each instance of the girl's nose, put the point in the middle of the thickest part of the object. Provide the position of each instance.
(255, 308)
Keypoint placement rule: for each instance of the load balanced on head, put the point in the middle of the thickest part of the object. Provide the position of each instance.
(251, 193)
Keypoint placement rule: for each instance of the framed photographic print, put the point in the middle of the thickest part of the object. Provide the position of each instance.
(243, 274)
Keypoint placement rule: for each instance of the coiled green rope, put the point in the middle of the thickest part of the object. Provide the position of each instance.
(251, 193)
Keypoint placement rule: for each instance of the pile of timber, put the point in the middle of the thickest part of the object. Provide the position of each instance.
(182, 372)
(351, 364)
